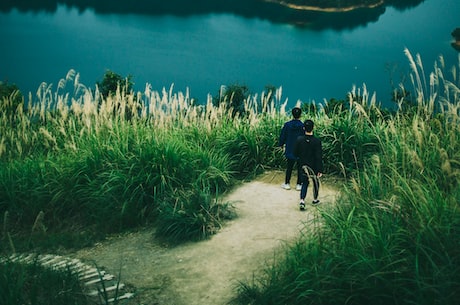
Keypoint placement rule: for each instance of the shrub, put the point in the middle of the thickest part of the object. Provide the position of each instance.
(234, 96)
(112, 81)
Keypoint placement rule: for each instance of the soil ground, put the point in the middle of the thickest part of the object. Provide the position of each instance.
(207, 272)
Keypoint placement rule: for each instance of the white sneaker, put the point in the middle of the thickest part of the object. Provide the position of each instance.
(298, 187)
(286, 186)
(302, 205)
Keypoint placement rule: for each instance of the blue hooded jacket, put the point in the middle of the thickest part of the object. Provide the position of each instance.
(289, 134)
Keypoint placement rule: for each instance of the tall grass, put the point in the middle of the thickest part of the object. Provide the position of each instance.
(351, 136)
(92, 164)
(394, 235)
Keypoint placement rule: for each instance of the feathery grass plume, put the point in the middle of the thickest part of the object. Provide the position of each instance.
(420, 65)
(417, 130)
(50, 140)
(19, 149)
(445, 163)
(62, 107)
(454, 71)
(417, 83)
(89, 111)
(39, 224)
(2, 147)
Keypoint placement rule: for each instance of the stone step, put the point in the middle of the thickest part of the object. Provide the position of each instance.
(96, 281)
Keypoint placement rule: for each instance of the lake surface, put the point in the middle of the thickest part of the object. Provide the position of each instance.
(203, 51)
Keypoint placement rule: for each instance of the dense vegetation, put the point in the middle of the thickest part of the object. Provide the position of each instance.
(95, 165)
(77, 165)
(394, 235)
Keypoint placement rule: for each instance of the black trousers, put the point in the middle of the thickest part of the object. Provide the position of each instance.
(289, 169)
(308, 173)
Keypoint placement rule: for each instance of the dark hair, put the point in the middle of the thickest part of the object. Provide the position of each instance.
(308, 125)
(296, 112)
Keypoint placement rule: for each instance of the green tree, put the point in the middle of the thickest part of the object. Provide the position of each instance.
(112, 80)
(234, 96)
(456, 33)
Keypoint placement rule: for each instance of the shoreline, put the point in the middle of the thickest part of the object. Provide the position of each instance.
(324, 9)
(456, 45)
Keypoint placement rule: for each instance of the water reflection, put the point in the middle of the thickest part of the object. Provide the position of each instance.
(246, 8)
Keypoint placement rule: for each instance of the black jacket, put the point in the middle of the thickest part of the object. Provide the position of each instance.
(309, 151)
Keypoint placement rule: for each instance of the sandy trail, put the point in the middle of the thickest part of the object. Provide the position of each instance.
(205, 273)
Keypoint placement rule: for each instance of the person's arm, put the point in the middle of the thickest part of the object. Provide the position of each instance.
(282, 138)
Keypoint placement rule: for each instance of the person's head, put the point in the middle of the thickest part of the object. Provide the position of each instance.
(296, 112)
(308, 125)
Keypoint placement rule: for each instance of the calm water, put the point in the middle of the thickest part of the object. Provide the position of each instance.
(202, 52)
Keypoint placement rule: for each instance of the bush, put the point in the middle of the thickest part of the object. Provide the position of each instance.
(112, 81)
(234, 96)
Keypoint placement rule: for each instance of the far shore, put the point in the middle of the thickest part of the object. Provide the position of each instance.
(325, 9)
(456, 45)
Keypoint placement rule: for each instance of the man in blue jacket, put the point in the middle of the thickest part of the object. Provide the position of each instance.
(289, 133)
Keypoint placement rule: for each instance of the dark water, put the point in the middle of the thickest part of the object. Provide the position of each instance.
(202, 49)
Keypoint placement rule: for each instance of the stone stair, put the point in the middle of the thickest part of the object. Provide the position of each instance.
(97, 283)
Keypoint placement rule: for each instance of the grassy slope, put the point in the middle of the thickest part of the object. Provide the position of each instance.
(394, 236)
(84, 165)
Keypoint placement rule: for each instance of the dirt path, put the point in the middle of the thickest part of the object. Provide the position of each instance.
(205, 273)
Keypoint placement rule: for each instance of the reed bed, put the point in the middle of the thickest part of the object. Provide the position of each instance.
(394, 235)
(101, 165)
(76, 166)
